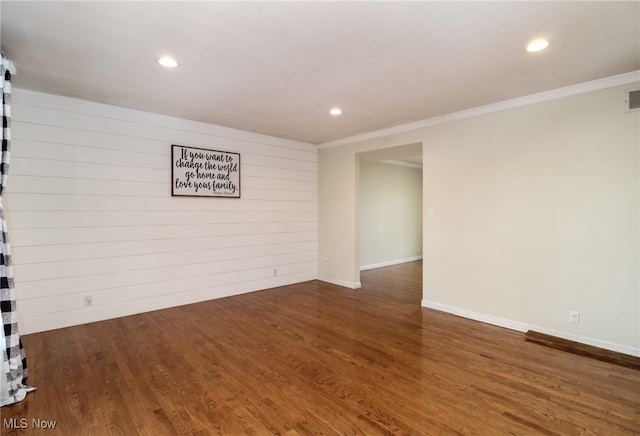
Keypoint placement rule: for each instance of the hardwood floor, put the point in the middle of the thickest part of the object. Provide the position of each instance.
(315, 358)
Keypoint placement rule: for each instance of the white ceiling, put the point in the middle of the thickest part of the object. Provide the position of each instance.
(278, 67)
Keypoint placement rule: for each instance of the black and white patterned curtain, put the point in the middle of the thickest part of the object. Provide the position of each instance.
(14, 362)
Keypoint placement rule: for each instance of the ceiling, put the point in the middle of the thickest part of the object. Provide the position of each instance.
(278, 67)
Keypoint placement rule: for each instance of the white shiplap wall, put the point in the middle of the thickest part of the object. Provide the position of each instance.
(90, 212)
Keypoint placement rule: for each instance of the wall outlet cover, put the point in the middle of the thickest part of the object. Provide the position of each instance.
(574, 317)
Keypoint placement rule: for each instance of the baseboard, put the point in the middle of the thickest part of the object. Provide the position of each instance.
(477, 316)
(390, 263)
(524, 327)
(343, 283)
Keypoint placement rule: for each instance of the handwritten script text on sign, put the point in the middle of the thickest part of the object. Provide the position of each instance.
(205, 172)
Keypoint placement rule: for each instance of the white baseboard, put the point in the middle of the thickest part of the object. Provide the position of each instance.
(523, 327)
(389, 263)
(343, 283)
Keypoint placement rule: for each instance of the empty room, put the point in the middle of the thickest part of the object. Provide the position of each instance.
(320, 218)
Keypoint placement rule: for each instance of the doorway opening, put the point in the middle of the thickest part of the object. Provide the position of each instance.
(389, 208)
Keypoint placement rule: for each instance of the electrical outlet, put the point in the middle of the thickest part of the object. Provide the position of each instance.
(326, 261)
(275, 272)
(88, 300)
(574, 317)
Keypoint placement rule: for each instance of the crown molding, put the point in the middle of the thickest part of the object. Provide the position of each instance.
(594, 85)
(403, 163)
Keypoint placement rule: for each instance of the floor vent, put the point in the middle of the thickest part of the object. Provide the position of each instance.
(583, 349)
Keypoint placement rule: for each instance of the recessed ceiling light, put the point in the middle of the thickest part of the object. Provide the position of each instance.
(168, 61)
(335, 111)
(537, 45)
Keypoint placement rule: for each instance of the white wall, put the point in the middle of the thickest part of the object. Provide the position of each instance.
(90, 213)
(536, 214)
(338, 244)
(390, 214)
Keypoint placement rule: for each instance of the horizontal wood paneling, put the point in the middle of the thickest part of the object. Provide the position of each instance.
(80, 235)
(174, 279)
(95, 131)
(124, 189)
(57, 219)
(51, 253)
(90, 211)
(171, 280)
(186, 261)
(38, 202)
(106, 156)
(84, 170)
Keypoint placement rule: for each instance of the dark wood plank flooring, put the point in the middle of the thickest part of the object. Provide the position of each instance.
(315, 358)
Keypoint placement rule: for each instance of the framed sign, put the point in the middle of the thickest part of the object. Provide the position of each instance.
(200, 172)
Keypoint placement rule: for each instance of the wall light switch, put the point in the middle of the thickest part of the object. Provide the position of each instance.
(431, 213)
